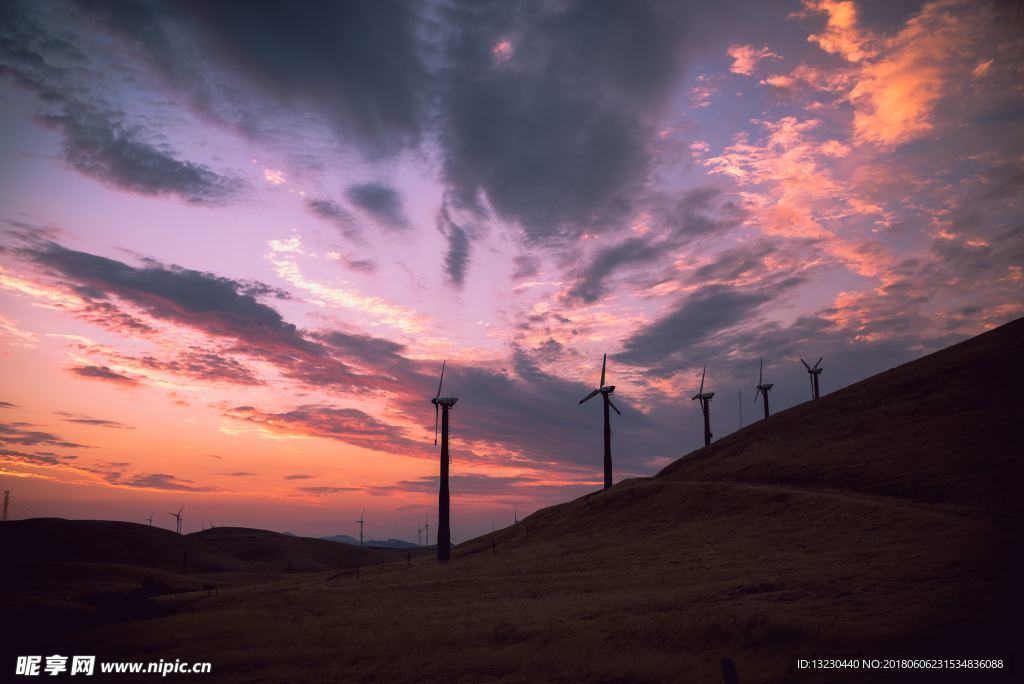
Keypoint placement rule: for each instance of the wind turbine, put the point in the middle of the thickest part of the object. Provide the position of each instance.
(705, 399)
(515, 515)
(444, 533)
(762, 387)
(177, 517)
(426, 532)
(419, 536)
(605, 391)
(362, 519)
(815, 371)
(149, 519)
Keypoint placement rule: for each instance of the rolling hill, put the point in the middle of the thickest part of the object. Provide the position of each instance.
(879, 521)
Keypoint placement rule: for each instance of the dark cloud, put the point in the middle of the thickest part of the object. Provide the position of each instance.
(214, 304)
(7, 404)
(21, 434)
(159, 481)
(97, 141)
(526, 267)
(331, 211)
(104, 373)
(590, 282)
(99, 144)
(204, 365)
(745, 260)
(699, 212)
(355, 63)
(361, 265)
(380, 201)
(373, 353)
(40, 458)
(457, 257)
(556, 132)
(298, 477)
(459, 484)
(240, 473)
(662, 345)
(86, 420)
(322, 491)
(348, 425)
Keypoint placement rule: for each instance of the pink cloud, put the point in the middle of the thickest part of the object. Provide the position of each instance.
(745, 58)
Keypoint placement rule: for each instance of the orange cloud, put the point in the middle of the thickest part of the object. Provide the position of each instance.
(841, 35)
(895, 96)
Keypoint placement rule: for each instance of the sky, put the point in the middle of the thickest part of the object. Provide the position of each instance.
(238, 239)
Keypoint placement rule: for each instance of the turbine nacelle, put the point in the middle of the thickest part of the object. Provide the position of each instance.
(701, 394)
(816, 368)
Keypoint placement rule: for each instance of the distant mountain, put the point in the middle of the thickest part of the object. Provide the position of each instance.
(376, 543)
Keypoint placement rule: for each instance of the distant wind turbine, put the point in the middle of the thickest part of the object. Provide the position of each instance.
(815, 371)
(149, 519)
(705, 400)
(762, 387)
(177, 517)
(362, 519)
(605, 392)
(426, 524)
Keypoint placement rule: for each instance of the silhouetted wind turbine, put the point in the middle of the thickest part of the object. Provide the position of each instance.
(762, 387)
(705, 399)
(443, 404)
(419, 536)
(605, 391)
(426, 529)
(362, 519)
(149, 519)
(177, 517)
(815, 371)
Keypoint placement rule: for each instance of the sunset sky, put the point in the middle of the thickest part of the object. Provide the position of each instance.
(238, 239)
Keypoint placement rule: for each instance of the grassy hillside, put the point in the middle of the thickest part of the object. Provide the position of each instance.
(842, 527)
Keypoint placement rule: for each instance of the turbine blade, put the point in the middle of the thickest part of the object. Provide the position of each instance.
(818, 363)
(757, 393)
(614, 407)
(603, 364)
(443, 363)
(805, 365)
(702, 380)
(180, 510)
(760, 372)
(436, 409)
(590, 396)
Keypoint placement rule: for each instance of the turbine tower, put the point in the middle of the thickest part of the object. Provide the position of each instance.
(762, 387)
(605, 391)
(362, 519)
(149, 519)
(815, 371)
(177, 517)
(444, 533)
(426, 530)
(705, 399)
